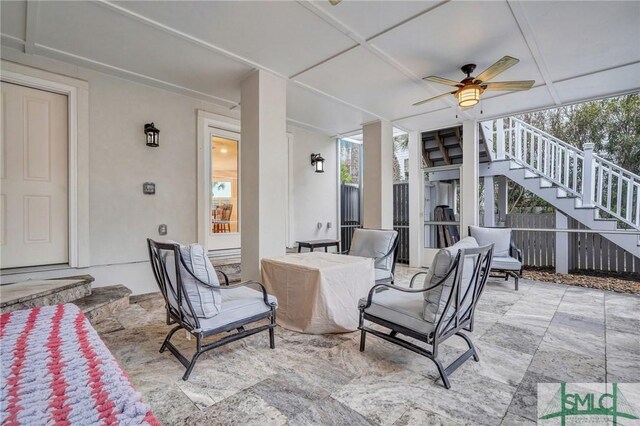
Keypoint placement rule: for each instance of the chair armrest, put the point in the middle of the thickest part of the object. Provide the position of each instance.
(515, 252)
(414, 277)
(248, 283)
(395, 287)
(226, 278)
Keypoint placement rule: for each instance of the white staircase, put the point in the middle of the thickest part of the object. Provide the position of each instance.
(581, 184)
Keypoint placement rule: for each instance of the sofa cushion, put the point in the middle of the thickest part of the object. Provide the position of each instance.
(500, 237)
(400, 308)
(382, 274)
(435, 300)
(204, 296)
(506, 264)
(237, 304)
(374, 243)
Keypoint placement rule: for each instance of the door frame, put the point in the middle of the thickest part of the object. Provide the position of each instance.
(78, 170)
(207, 120)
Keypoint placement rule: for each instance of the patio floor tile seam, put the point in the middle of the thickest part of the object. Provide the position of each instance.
(546, 329)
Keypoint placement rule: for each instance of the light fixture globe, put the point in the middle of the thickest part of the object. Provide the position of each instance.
(469, 95)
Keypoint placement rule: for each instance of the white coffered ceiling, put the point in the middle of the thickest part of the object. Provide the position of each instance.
(345, 64)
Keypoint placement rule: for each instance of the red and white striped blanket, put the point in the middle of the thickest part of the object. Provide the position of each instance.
(56, 370)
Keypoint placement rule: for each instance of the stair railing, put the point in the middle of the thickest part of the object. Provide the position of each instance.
(617, 191)
(549, 157)
(595, 181)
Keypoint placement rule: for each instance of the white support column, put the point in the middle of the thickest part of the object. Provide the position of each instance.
(469, 209)
(500, 139)
(489, 202)
(378, 174)
(588, 181)
(263, 168)
(503, 198)
(416, 200)
(562, 244)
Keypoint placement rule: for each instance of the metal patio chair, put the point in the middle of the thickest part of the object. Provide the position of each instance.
(403, 310)
(240, 307)
(507, 257)
(382, 246)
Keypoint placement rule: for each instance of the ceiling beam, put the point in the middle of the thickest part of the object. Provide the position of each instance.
(443, 150)
(31, 27)
(519, 14)
(210, 46)
(365, 43)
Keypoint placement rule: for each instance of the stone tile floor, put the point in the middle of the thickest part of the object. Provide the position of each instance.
(541, 333)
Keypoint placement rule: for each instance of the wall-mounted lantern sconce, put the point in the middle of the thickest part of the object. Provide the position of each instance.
(318, 161)
(152, 134)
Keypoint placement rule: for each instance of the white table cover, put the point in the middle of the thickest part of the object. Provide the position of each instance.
(318, 292)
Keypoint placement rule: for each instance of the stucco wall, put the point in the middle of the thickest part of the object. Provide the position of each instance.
(121, 217)
(314, 194)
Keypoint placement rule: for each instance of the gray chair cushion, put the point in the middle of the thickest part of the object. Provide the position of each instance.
(500, 237)
(404, 309)
(506, 264)
(382, 274)
(205, 298)
(237, 304)
(435, 300)
(374, 243)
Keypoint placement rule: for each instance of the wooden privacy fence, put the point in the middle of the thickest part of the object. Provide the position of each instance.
(593, 251)
(538, 248)
(401, 219)
(586, 251)
(350, 217)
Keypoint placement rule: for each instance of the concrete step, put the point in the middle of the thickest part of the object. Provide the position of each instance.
(229, 265)
(34, 293)
(103, 302)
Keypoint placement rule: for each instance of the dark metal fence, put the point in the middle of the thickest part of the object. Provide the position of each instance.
(350, 217)
(401, 218)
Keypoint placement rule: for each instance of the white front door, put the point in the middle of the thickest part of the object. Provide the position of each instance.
(224, 190)
(34, 221)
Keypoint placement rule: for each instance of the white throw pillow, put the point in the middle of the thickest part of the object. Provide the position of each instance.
(204, 295)
(435, 300)
(499, 237)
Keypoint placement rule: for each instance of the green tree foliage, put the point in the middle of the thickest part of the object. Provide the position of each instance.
(612, 125)
(345, 176)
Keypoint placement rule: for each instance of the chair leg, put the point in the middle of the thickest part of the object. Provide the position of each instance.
(192, 364)
(272, 335)
(443, 373)
(467, 339)
(186, 375)
(363, 337)
(516, 279)
(169, 336)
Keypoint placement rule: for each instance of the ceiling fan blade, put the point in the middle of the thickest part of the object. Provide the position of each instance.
(499, 67)
(434, 98)
(441, 80)
(334, 2)
(509, 85)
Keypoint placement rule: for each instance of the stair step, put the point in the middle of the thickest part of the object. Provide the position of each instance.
(33, 293)
(103, 302)
(230, 266)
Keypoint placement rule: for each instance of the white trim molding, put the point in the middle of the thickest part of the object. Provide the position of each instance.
(207, 120)
(77, 92)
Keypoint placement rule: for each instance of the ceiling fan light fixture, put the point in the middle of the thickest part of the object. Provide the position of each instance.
(469, 95)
